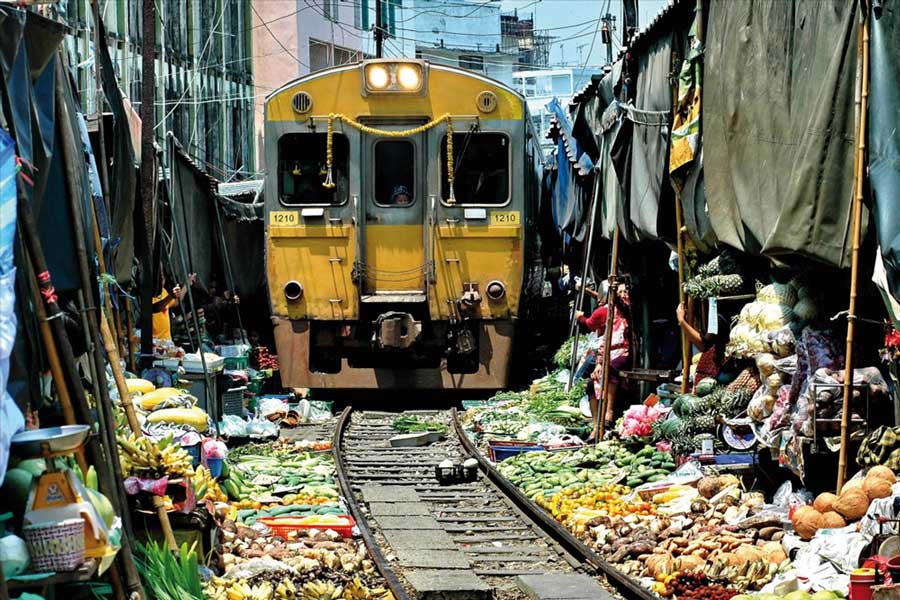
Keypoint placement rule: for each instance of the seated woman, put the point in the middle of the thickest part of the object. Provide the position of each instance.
(618, 355)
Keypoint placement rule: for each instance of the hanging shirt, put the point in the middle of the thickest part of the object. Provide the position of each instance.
(162, 324)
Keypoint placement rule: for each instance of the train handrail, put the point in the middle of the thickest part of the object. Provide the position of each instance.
(381, 563)
(551, 527)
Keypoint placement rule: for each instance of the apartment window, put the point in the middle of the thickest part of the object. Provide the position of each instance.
(302, 168)
(481, 168)
(472, 62)
(319, 55)
(330, 9)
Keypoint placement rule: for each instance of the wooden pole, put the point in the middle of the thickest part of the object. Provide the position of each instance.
(56, 371)
(148, 175)
(607, 336)
(129, 331)
(859, 171)
(112, 352)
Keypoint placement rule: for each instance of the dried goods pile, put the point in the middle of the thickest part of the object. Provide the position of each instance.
(279, 535)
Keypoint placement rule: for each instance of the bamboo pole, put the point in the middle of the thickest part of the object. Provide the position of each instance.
(859, 172)
(112, 353)
(600, 417)
(129, 331)
(56, 370)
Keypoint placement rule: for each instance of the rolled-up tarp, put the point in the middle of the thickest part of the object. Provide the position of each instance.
(884, 134)
(779, 125)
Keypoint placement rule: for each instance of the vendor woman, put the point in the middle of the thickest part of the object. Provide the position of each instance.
(711, 344)
(618, 353)
(163, 302)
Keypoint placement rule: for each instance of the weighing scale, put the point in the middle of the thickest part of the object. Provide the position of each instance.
(58, 494)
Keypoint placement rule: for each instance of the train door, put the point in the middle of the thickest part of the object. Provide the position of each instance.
(394, 200)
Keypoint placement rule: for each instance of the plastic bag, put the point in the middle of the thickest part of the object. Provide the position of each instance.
(319, 411)
(260, 428)
(269, 407)
(233, 426)
(257, 566)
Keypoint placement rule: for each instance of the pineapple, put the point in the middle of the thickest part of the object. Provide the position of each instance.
(705, 423)
(723, 285)
(723, 264)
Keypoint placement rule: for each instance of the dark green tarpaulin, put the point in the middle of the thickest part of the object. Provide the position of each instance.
(884, 133)
(778, 118)
(193, 243)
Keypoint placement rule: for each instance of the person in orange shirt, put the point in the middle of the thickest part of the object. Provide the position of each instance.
(163, 302)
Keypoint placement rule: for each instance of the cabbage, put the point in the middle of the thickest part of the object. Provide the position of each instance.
(777, 293)
(806, 309)
(775, 316)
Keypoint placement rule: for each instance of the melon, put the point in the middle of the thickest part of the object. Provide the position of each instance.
(35, 466)
(14, 491)
(102, 505)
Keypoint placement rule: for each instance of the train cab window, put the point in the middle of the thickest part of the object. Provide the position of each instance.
(302, 168)
(395, 172)
(481, 168)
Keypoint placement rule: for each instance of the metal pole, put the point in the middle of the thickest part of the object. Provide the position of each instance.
(573, 326)
(599, 418)
(379, 32)
(859, 172)
(148, 175)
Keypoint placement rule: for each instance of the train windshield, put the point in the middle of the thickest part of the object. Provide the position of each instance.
(302, 168)
(395, 168)
(481, 168)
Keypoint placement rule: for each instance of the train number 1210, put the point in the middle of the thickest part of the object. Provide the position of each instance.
(507, 217)
(284, 218)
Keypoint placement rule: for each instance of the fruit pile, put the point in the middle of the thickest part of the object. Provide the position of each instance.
(262, 359)
(142, 457)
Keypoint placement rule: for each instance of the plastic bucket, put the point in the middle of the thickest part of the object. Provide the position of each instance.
(194, 452)
(215, 466)
(861, 582)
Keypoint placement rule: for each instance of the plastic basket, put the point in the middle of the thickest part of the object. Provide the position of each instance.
(233, 401)
(194, 453)
(500, 451)
(237, 363)
(284, 526)
(55, 546)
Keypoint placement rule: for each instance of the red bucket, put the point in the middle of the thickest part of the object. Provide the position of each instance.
(861, 582)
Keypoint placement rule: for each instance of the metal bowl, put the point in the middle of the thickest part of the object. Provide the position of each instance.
(58, 439)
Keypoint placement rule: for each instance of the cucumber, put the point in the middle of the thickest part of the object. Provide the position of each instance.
(245, 513)
(655, 478)
(633, 482)
(668, 466)
(646, 451)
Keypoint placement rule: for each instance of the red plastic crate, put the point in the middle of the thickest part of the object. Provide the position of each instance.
(282, 526)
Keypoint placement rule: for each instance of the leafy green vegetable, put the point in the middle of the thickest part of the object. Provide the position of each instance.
(416, 425)
(563, 356)
(166, 575)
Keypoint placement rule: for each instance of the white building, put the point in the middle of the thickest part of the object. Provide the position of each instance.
(540, 87)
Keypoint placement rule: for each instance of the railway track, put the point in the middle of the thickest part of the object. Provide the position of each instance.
(467, 540)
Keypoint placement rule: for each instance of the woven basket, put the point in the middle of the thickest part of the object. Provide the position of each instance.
(55, 546)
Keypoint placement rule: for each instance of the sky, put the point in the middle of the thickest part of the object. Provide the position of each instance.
(573, 44)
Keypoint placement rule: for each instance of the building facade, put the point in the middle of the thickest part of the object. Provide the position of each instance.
(204, 73)
(540, 87)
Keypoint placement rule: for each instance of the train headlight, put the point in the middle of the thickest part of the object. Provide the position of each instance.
(408, 77)
(386, 76)
(495, 290)
(377, 77)
(293, 291)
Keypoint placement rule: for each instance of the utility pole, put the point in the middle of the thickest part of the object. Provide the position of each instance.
(606, 31)
(148, 173)
(379, 30)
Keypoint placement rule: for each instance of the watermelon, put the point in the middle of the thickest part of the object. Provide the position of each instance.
(706, 386)
(35, 466)
(685, 405)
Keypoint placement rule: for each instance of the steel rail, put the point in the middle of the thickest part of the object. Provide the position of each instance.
(381, 563)
(624, 585)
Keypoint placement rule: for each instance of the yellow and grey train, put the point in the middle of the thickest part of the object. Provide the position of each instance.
(401, 198)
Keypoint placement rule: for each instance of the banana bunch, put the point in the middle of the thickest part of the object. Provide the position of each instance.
(239, 589)
(355, 590)
(206, 487)
(141, 456)
(321, 590)
(753, 574)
